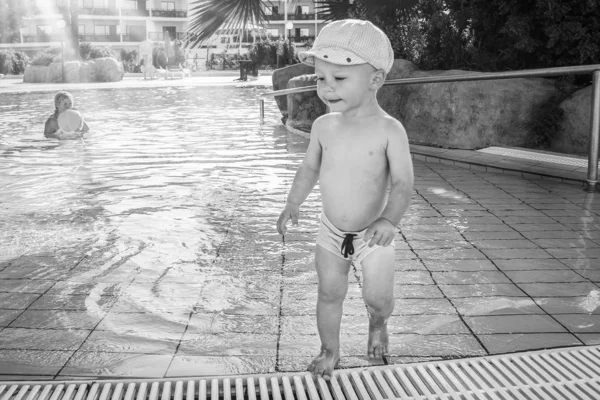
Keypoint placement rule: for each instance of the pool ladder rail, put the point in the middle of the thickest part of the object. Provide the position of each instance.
(570, 374)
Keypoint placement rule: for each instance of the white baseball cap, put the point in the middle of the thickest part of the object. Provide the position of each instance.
(351, 42)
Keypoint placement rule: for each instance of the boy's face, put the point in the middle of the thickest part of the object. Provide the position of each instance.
(64, 104)
(344, 87)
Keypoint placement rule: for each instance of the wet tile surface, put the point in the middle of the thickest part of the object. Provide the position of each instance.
(170, 265)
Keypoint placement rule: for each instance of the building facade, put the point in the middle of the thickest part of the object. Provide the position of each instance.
(124, 24)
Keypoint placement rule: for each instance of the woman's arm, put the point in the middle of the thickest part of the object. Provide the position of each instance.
(51, 127)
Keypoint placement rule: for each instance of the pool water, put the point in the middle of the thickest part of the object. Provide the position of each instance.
(148, 248)
(167, 208)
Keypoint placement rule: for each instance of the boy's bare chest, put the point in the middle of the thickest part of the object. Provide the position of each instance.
(353, 147)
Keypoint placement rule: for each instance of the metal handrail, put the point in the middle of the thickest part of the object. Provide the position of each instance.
(594, 69)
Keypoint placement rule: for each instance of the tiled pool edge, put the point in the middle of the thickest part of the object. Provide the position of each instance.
(471, 159)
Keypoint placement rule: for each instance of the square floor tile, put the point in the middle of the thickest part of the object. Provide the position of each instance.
(589, 304)
(194, 366)
(136, 322)
(510, 343)
(450, 254)
(496, 306)
(426, 324)
(17, 301)
(99, 364)
(482, 290)
(469, 278)
(515, 253)
(500, 244)
(417, 292)
(33, 286)
(485, 325)
(557, 289)
(7, 316)
(221, 323)
(460, 265)
(142, 342)
(545, 276)
(589, 339)
(576, 253)
(413, 277)
(423, 306)
(44, 319)
(227, 344)
(32, 362)
(42, 339)
(529, 264)
(411, 345)
(580, 323)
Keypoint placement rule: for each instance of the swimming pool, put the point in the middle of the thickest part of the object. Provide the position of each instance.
(149, 248)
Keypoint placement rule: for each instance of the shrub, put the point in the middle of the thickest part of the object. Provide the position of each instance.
(45, 57)
(88, 51)
(20, 60)
(6, 62)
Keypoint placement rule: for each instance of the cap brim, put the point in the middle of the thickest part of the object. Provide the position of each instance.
(333, 55)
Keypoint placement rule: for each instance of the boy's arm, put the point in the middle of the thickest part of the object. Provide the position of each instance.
(305, 180)
(401, 174)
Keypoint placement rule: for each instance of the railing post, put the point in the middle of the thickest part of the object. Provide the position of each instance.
(592, 178)
(261, 102)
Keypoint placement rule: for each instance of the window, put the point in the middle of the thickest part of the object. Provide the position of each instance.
(86, 3)
(303, 32)
(130, 4)
(106, 30)
(224, 39)
(305, 10)
(273, 32)
(268, 10)
(167, 5)
(44, 29)
(100, 4)
(81, 30)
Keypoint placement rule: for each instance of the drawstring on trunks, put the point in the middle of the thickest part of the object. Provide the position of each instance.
(347, 246)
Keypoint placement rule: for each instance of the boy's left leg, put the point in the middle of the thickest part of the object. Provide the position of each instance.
(378, 294)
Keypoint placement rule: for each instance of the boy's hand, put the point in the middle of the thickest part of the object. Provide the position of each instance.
(291, 211)
(380, 232)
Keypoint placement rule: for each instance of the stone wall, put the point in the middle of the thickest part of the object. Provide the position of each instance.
(459, 115)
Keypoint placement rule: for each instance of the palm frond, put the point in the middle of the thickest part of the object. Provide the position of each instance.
(333, 10)
(207, 16)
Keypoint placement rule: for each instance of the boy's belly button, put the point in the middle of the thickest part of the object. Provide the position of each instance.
(344, 218)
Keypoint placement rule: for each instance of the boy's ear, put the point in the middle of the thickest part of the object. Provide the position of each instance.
(378, 78)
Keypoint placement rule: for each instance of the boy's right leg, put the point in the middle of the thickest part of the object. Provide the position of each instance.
(332, 272)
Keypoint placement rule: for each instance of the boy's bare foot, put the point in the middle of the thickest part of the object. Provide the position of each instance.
(378, 340)
(324, 363)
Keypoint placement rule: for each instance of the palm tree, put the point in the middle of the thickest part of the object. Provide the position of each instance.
(74, 11)
(207, 16)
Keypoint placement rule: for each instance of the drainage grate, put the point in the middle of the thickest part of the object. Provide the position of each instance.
(571, 374)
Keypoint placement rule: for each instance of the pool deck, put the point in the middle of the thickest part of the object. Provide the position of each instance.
(500, 254)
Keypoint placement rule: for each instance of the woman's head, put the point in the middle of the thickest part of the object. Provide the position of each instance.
(63, 101)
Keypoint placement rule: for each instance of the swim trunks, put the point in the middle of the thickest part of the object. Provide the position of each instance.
(347, 245)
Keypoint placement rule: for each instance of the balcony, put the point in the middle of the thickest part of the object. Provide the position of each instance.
(135, 13)
(100, 38)
(98, 11)
(169, 13)
(291, 17)
(42, 38)
(134, 37)
(160, 36)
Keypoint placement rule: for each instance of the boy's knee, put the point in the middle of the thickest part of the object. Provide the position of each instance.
(332, 295)
(379, 305)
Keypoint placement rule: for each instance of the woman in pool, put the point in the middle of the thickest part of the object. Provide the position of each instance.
(62, 101)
